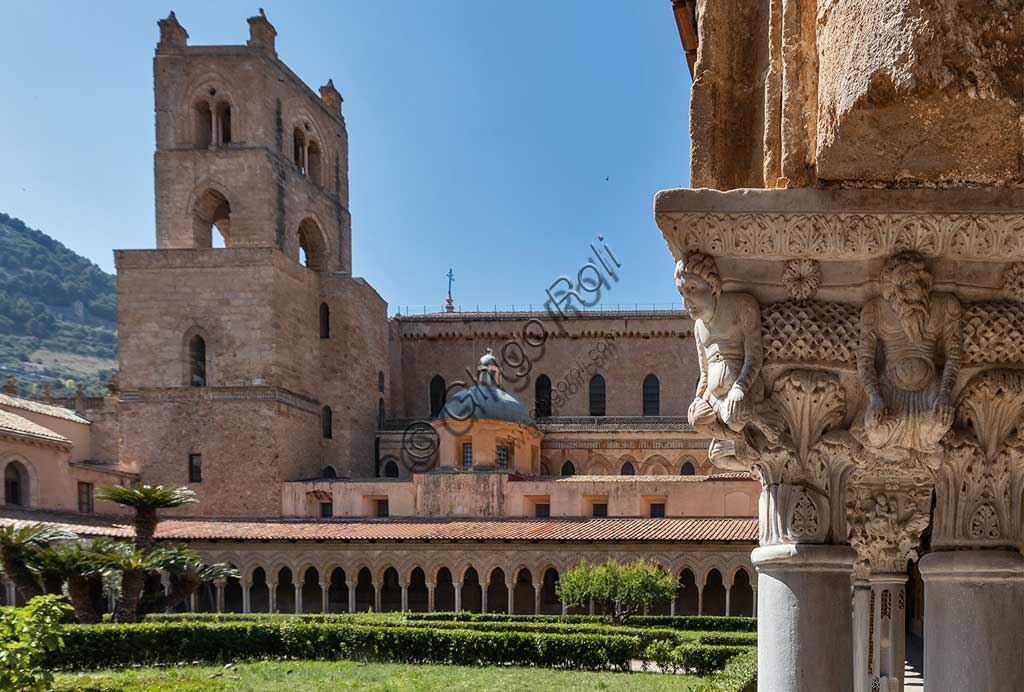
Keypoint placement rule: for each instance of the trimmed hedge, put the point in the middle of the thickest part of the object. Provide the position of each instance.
(104, 646)
(728, 638)
(698, 659)
(739, 675)
(703, 623)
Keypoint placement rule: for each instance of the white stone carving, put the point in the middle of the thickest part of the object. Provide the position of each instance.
(845, 236)
(993, 334)
(909, 359)
(730, 403)
(801, 278)
(885, 526)
(810, 332)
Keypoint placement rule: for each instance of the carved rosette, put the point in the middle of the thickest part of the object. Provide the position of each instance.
(801, 277)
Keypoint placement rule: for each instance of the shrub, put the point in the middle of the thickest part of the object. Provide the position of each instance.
(100, 646)
(694, 658)
(702, 623)
(728, 638)
(27, 636)
(739, 675)
(621, 590)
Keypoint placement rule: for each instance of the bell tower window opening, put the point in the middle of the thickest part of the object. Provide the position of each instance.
(204, 125)
(314, 162)
(212, 211)
(311, 245)
(195, 468)
(224, 120)
(299, 150)
(325, 321)
(197, 361)
(542, 397)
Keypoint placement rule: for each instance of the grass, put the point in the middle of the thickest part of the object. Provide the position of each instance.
(320, 676)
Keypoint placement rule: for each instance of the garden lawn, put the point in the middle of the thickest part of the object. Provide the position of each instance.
(322, 676)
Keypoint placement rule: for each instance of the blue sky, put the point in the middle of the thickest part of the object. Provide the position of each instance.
(481, 133)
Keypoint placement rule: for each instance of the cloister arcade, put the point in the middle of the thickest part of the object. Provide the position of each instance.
(712, 584)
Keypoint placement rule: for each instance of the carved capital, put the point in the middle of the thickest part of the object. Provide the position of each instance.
(885, 522)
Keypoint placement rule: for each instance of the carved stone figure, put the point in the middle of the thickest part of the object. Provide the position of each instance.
(908, 359)
(730, 402)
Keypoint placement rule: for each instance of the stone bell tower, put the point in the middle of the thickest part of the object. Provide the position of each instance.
(249, 354)
(856, 275)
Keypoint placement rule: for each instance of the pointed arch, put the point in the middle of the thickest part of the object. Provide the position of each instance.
(211, 210)
(312, 245)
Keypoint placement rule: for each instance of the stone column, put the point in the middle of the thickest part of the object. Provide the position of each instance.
(804, 627)
(565, 609)
(700, 600)
(192, 600)
(537, 591)
(11, 591)
(376, 597)
(753, 588)
(672, 606)
(430, 597)
(351, 596)
(861, 633)
(591, 611)
(458, 596)
(728, 596)
(511, 598)
(246, 600)
(298, 599)
(888, 646)
(483, 599)
(218, 586)
(405, 598)
(325, 597)
(974, 639)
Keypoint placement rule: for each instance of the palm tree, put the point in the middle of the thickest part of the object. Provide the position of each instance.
(18, 543)
(186, 572)
(82, 569)
(134, 564)
(146, 499)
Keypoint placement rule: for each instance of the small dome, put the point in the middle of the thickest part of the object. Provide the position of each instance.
(486, 402)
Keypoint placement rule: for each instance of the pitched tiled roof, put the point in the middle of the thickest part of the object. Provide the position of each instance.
(39, 407)
(693, 529)
(23, 427)
(583, 478)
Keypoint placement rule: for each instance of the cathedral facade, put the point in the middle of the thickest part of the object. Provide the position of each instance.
(346, 460)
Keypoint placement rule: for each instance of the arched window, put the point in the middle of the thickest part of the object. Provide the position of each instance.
(16, 491)
(652, 396)
(314, 162)
(437, 395)
(391, 469)
(325, 321)
(204, 125)
(328, 473)
(299, 147)
(197, 361)
(311, 245)
(568, 468)
(542, 396)
(211, 211)
(380, 414)
(326, 423)
(627, 469)
(687, 469)
(380, 381)
(224, 118)
(597, 395)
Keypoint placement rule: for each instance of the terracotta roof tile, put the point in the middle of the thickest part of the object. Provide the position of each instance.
(39, 407)
(690, 529)
(15, 424)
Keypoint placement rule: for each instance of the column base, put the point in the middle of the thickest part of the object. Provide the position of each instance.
(804, 628)
(974, 638)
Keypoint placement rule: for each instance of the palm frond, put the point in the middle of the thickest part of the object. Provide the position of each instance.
(147, 496)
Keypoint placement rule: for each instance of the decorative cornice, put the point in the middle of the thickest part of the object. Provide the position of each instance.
(251, 393)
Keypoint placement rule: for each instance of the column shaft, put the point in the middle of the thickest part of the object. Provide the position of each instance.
(804, 628)
(511, 600)
(351, 596)
(458, 597)
(973, 638)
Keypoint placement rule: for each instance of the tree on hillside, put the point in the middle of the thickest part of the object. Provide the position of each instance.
(620, 590)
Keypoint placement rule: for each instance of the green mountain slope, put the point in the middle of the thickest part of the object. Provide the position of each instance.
(58, 313)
